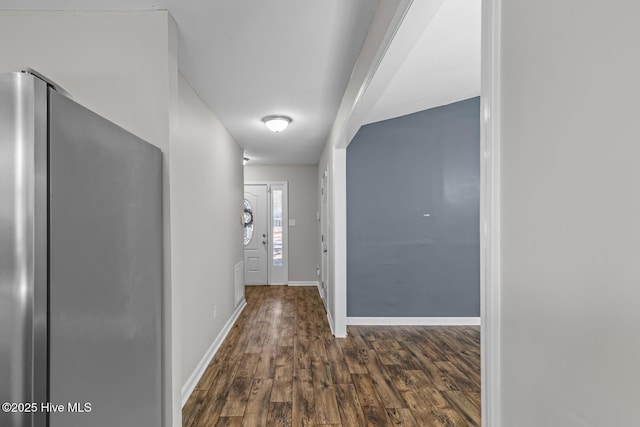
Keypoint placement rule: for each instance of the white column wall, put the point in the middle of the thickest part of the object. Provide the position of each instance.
(570, 213)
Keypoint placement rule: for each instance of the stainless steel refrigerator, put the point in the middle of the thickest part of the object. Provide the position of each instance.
(80, 264)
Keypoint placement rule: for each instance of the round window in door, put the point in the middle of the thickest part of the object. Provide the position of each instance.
(248, 222)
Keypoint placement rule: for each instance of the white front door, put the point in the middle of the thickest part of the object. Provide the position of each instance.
(256, 243)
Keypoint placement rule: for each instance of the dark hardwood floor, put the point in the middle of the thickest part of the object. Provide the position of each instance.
(280, 366)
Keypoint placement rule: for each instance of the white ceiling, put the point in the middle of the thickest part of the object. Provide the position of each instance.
(250, 59)
(441, 68)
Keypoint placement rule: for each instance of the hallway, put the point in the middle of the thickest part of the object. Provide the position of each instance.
(280, 366)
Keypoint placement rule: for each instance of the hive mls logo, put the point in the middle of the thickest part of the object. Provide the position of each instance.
(79, 407)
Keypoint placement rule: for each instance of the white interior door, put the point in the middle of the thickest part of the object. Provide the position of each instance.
(256, 242)
(324, 212)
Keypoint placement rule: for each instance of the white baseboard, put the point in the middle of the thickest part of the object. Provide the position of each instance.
(331, 325)
(303, 283)
(414, 321)
(192, 382)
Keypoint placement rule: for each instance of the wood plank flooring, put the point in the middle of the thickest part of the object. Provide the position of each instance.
(280, 366)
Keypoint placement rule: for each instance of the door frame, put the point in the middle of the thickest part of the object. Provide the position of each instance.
(324, 237)
(490, 202)
(284, 278)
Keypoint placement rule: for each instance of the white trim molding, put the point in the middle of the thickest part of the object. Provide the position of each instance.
(197, 373)
(331, 325)
(339, 200)
(414, 321)
(304, 283)
(490, 202)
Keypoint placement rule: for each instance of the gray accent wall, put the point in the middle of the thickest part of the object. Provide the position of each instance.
(413, 187)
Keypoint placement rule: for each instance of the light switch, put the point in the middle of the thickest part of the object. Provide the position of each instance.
(292, 223)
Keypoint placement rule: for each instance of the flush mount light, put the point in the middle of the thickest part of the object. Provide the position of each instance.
(276, 123)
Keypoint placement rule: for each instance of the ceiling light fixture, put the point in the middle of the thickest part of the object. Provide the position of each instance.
(276, 123)
(245, 160)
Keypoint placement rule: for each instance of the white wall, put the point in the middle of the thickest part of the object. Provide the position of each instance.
(570, 213)
(304, 243)
(122, 66)
(122, 75)
(206, 207)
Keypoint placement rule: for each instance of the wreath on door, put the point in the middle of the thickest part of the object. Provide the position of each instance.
(247, 222)
(248, 217)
